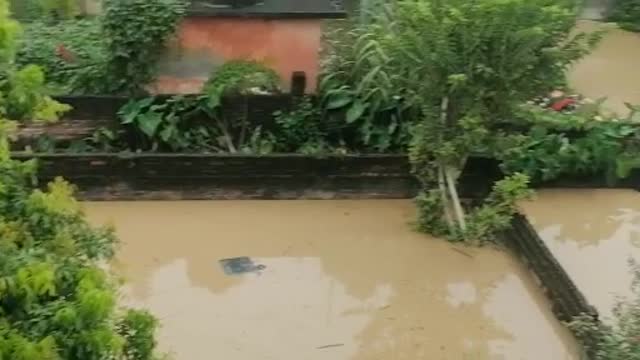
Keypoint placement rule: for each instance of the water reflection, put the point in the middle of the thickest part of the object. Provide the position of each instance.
(593, 233)
(585, 217)
(343, 280)
(611, 70)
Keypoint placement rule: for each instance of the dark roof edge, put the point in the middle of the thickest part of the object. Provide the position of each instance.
(267, 15)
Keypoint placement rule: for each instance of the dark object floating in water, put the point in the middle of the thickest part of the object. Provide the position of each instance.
(240, 265)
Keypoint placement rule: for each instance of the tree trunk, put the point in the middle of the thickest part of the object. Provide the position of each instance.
(453, 191)
(443, 197)
(449, 177)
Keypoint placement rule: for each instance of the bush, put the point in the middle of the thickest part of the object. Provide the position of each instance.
(301, 129)
(627, 14)
(442, 59)
(27, 10)
(242, 76)
(22, 95)
(56, 302)
(61, 9)
(115, 54)
(357, 88)
(64, 50)
(136, 32)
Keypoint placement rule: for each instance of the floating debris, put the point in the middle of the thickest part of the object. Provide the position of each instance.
(240, 265)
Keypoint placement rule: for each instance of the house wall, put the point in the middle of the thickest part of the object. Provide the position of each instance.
(203, 43)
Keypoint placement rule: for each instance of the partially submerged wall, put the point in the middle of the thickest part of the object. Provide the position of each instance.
(217, 177)
(567, 300)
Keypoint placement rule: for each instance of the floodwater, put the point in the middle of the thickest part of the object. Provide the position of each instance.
(611, 71)
(335, 280)
(594, 234)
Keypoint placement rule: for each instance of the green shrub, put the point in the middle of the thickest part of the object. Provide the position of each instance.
(45, 44)
(22, 93)
(29, 10)
(56, 302)
(627, 14)
(26, 10)
(579, 144)
(241, 76)
(136, 32)
(442, 60)
(61, 9)
(301, 129)
(359, 90)
(117, 53)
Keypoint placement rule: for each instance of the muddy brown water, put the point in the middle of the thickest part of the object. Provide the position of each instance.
(611, 71)
(594, 234)
(342, 280)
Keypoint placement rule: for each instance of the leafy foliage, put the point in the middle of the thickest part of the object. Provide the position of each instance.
(189, 124)
(9, 29)
(558, 145)
(166, 126)
(495, 214)
(241, 77)
(24, 99)
(45, 9)
(25, 10)
(301, 129)
(627, 14)
(55, 300)
(22, 93)
(116, 54)
(69, 52)
(61, 9)
(484, 221)
(359, 90)
(466, 66)
(135, 32)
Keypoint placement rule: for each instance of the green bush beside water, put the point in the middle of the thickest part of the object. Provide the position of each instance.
(627, 14)
(57, 302)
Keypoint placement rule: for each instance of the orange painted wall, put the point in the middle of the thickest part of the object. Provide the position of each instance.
(286, 45)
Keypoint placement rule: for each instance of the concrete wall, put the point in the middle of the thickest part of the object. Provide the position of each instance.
(202, 43)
